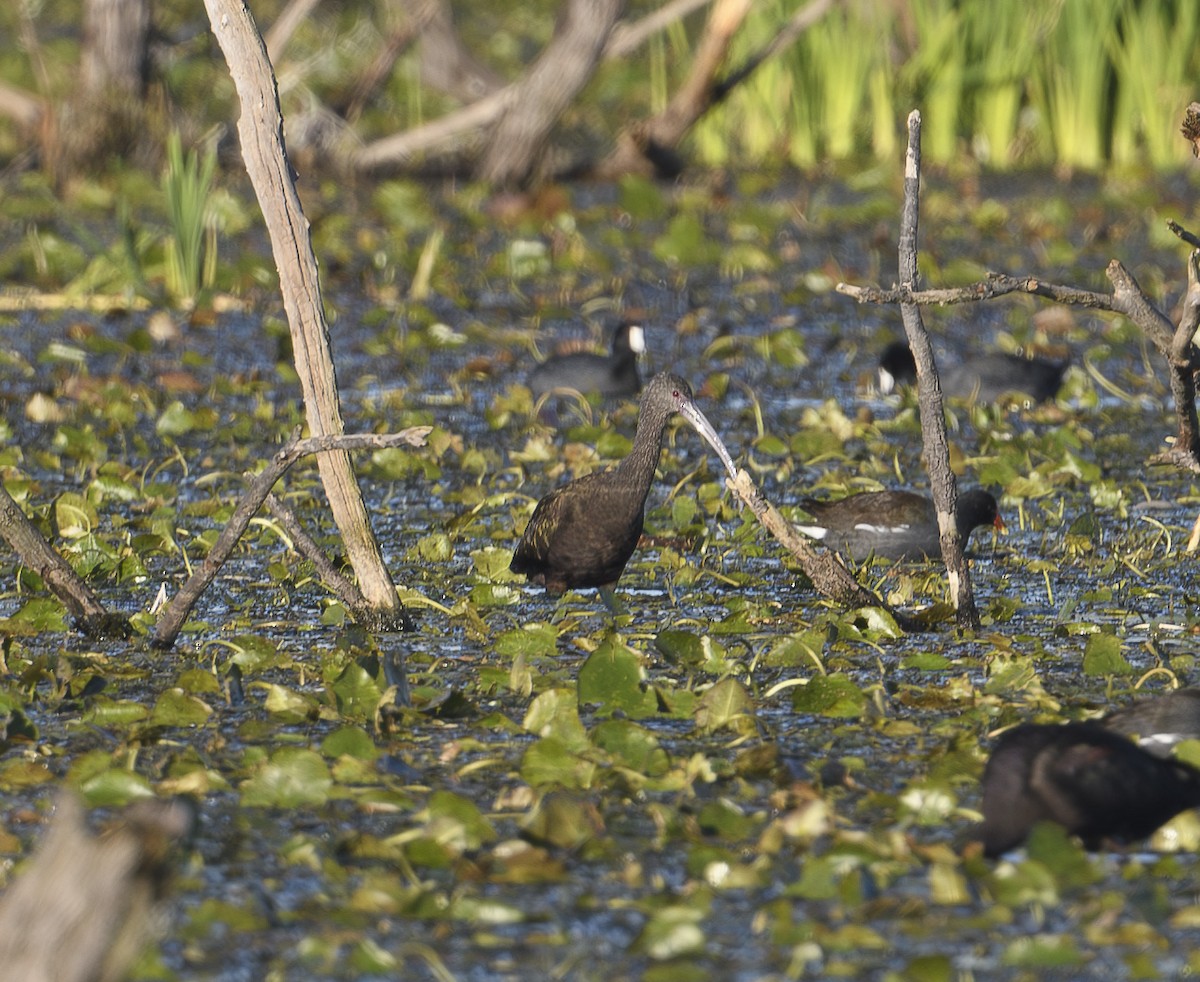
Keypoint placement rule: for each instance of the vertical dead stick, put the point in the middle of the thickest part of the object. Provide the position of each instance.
(260, 127)
(935, 448)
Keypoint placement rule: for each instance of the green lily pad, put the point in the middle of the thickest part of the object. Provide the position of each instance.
(612, 680)
(292, 778)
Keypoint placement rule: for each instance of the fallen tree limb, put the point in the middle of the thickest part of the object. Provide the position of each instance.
(171, 621)
(84, 607)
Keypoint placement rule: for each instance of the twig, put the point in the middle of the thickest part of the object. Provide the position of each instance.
(86, 611)
(341, 587)
(627, 38)
(175, 613)
(935, 447)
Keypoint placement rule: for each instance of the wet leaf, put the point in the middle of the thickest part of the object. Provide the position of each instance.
(292, 778)
(563, 820)
(549, 762)
(632, 746)
(350, 741)
(457, 823)
(554, 713)
(178, 708)
(727, 705)
(829, 695)
(672, 932)
(115, 786)
(357, 692)
(1102, 656)
(75, 516)
(612, 680)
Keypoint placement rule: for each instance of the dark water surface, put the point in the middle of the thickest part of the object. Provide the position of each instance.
(715, 877)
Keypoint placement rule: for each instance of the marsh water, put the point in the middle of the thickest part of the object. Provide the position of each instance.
(541, 812)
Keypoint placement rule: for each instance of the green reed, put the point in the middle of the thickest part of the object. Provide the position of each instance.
(1071, 83)
(1153, 55)
(192, 246)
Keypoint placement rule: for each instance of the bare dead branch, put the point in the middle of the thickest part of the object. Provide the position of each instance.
(996, 285)
(175, 613)
(627, 38)
(516, 147)
(935, 448)
(1189, 237)
(798, 23)
(650, 146)
(260, 128)
(331, 576)
(402, 147)
(84, 607)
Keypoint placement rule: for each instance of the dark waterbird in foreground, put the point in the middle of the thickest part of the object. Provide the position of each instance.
(898, 525)
(986, 378)
(613, 374)
(1160, 722)
(1094, 782)
(583, 533)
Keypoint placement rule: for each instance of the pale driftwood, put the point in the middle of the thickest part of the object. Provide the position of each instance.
(824, 568)
(515, 148)
(171, 621)
(650, 146)
(24, 108)
(627, 38)
(935, 448)
(447, 64)
(84, 906)
(260, 127)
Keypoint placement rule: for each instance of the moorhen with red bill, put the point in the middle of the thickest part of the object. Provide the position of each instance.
(899, 525)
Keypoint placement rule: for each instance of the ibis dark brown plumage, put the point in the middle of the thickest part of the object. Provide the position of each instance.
(583, 533)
